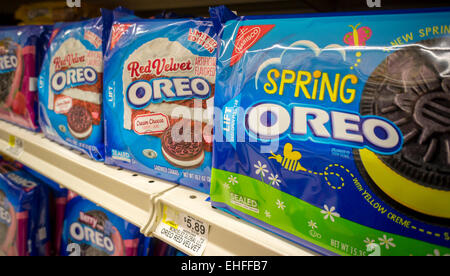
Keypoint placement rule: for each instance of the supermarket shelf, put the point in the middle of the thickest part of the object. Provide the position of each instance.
(122, 192)
(140, 199)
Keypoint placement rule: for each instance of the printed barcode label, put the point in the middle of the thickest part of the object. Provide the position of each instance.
(15, 147)
(184, 231)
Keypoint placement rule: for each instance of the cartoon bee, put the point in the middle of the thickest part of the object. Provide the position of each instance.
(290, 160)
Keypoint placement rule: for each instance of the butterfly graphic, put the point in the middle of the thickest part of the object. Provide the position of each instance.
(359, 36)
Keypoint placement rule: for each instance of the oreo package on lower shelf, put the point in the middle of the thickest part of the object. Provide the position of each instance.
(334, 129)
(90, 230)
(158, 101)
(24, 213)
(21, 50)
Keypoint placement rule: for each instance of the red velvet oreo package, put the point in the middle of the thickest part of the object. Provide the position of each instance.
(158, 101)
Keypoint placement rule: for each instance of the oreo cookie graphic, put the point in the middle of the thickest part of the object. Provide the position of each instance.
(411, 88)
(79, 120)
(5, 83)
(182, 151)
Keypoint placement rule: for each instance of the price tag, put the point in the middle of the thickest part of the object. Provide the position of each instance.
(188, 233)
(15, 146)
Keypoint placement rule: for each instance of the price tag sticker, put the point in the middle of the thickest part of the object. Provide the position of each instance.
(186, 232)
(15, 146)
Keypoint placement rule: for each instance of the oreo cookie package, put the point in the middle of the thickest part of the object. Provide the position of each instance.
(21, 50)
(71, 86)
(333, 130)
(158, 100)
(24, 213)
(90, 230)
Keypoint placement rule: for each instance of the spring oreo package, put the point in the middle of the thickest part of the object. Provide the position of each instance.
(335, 130)
(24, 213)
(20, 55)
(90, 230)
(158, 101)
(70, 86)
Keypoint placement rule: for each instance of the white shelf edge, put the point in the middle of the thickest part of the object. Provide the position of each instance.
(228, 235)
(132, 197)
(125, 193)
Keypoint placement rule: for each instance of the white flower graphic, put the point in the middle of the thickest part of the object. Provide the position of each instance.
(261, 169)
(369, 241)
(312, 224)
(267, 213)
(386, 242)
(280, 204)
(274, 181)
(329, 213)
(437, 253)
(232, 180)
(226, 186)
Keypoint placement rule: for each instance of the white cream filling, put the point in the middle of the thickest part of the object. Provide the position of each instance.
(80, 135)
(183, 163)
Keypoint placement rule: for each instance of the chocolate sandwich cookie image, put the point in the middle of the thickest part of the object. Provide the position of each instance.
(6, 75)
(79, 121)
(182, 150)
(411, 88)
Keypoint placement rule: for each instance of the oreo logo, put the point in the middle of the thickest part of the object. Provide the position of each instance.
(84, 233)
(272, 121)
(8, 63)
(73, 77)
(141, 93)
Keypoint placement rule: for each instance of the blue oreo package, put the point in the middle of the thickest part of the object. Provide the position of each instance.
(21, 51)
(70, 87)
(24, 213)
(71, 84)
(57, 197)
(90, 230)
(332, 130)
(158, 100)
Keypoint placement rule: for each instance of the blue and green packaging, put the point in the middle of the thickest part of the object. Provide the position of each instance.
(333, 130)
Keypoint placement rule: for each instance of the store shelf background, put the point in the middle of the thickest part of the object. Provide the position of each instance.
(147, 8)
(139, 199)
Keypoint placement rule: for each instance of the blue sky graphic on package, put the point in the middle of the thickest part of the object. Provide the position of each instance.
(158, 100)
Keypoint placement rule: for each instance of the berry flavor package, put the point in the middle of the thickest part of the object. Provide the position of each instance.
(90, 230)
(158, 100)
(21, 50)
(333, 130)
(24, 213)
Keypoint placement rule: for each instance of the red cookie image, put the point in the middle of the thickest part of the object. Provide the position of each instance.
(79, 120)
(182, 152)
